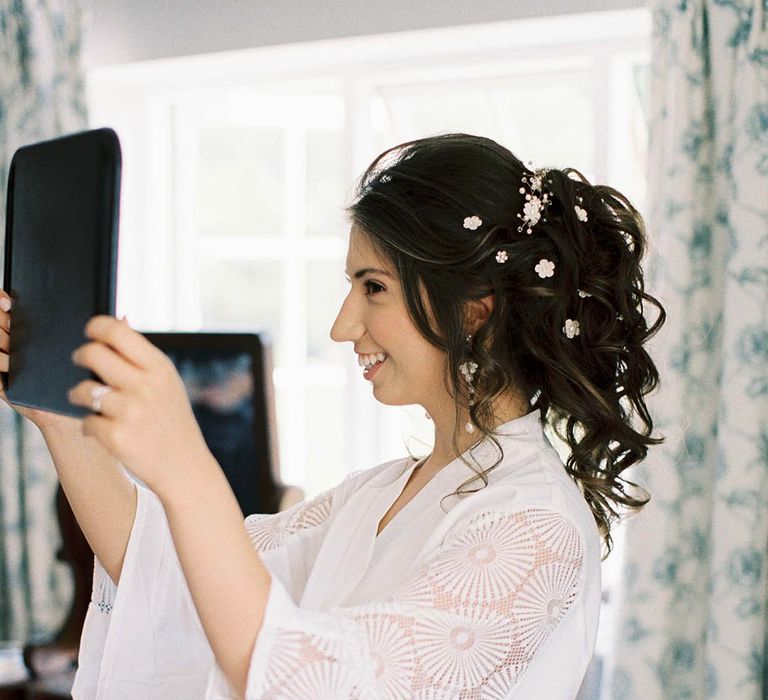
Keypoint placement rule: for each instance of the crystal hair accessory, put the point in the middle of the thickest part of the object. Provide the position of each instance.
(472, 222)
(571, 328)
(545, 268)
(580, 212)
(535, 201)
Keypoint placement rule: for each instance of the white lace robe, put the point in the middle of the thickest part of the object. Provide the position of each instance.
(495, 595)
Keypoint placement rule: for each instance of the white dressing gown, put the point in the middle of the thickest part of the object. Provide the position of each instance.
(495, 595)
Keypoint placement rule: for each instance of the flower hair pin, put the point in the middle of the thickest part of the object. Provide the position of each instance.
(580, 212)
(571, 328)
(473, 222)
(545, 268)
(535, 201)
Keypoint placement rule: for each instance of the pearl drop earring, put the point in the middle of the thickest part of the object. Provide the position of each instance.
(468, 370)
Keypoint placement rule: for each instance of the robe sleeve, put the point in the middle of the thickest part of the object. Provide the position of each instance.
(289, 541)
(468, 622)
(143, 637)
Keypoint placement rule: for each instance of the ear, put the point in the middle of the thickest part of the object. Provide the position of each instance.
(477, 312)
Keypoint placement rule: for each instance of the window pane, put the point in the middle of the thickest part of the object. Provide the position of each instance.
(414, 111)
(537, 114)
(242, 296)
(240, 182)
(637, 168)
(326, 428)
(546, 112)
(326, 288)
(327, 185)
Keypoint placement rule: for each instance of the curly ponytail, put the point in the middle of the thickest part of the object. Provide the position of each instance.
(588, 379)
(592, 384)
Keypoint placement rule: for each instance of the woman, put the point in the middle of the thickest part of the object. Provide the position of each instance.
(500, 299)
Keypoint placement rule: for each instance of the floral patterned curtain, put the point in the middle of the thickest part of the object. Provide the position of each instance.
(692, 614)
(42, 95)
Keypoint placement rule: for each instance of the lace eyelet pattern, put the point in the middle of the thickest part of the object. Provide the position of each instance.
(469, 621)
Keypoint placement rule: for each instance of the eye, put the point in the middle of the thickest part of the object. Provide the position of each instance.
(372, 287)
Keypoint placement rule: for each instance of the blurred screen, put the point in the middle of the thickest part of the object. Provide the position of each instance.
(220, 387)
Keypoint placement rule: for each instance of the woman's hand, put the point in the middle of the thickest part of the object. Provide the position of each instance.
(145, 420)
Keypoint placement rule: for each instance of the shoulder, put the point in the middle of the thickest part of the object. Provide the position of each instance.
(531, 496)
(541, 549)
(544, 481)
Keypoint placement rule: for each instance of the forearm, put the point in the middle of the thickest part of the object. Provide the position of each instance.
(102, 496)
(228, 582)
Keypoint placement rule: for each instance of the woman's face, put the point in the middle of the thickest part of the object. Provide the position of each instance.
(374, 318)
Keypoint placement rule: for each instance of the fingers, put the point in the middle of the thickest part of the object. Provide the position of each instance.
(5, 325)
(111, 368)
(5, 343)
(133, 346)
(5, 307)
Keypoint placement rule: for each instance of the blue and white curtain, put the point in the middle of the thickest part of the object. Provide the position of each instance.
(692, 616)
(42, 95)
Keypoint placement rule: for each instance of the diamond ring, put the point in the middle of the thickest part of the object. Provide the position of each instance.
(97, 394)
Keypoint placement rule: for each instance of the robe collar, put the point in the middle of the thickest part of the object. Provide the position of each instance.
(351, 542)
(525, 429)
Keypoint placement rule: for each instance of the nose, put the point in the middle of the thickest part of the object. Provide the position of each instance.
(348, 325)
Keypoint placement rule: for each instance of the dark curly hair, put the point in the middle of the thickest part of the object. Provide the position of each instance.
(411, 202)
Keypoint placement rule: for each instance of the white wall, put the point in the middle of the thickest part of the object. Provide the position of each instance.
(119, 31)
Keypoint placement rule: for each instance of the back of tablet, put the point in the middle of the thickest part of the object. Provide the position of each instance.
(60, 260)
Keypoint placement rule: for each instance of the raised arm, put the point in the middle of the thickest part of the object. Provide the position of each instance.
(101, 494)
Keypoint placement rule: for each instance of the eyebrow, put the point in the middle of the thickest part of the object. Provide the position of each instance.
(366, 270)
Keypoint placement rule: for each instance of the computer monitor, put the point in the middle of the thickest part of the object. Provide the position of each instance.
(228, 377)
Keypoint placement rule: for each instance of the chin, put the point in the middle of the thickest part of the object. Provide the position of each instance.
(391, 398)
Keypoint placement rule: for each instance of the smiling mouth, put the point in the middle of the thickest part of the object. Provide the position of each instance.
(369, 361)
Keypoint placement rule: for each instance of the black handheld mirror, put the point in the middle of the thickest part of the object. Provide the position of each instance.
(61, 239)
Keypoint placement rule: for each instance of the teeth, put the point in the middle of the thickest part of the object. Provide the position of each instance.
(370, 360)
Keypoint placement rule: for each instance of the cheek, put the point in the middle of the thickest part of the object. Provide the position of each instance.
(425, 357)
(386, 328)
(395, 332)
